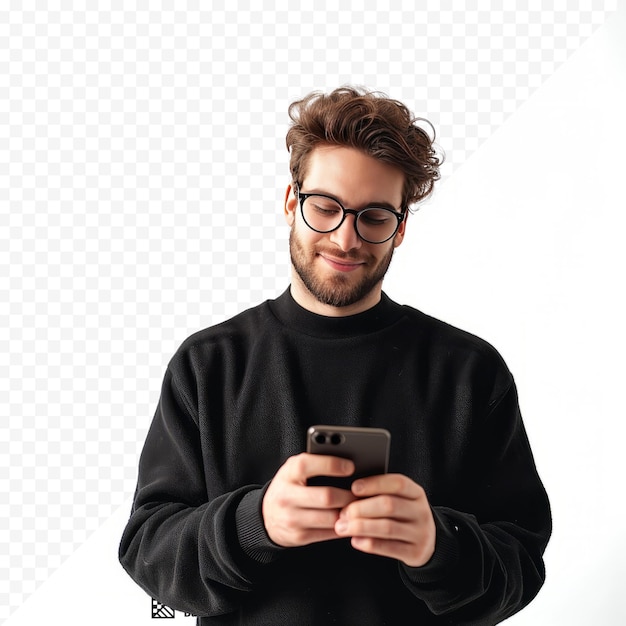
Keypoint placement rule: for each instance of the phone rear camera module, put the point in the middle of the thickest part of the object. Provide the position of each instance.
(320, 438)
(336, 439)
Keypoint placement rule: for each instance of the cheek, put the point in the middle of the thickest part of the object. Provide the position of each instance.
(389, 253)
(305, 236)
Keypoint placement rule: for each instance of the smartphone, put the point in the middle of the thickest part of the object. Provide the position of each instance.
(368, 448)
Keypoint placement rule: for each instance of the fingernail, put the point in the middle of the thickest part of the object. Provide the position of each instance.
(341, 526)
(357, 486)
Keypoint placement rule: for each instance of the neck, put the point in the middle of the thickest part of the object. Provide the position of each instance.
(308, 301)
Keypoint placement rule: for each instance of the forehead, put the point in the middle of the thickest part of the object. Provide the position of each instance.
(352, 176)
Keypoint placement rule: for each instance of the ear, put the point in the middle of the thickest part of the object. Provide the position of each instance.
(399, 237)
(291, 205)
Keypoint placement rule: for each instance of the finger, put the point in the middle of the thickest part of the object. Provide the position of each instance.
(310, 519)
(318, 498)
(291, 521)
(411, 554)
(393, 484)
(387, 529)
(385, 506)
(305, 465)
(291, 536)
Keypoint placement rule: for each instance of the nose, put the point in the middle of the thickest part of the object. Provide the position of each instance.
(346, 236)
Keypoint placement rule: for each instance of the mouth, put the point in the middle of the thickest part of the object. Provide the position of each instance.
(341, 265)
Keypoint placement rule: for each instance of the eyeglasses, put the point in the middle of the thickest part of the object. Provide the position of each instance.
(324, 214)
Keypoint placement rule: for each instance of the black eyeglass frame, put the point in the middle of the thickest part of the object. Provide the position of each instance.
(302, 197)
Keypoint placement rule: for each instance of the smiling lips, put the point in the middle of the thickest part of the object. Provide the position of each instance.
(342, 265)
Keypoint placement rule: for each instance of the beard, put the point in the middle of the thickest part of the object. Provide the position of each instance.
(340, 289)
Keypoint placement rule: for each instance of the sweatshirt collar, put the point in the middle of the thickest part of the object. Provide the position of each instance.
(291, 314)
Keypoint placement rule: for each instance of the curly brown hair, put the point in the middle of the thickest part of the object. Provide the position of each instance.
(370, 121)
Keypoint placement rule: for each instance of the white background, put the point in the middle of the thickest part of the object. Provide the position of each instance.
(142, 165)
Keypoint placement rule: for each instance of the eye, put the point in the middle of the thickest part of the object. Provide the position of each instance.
(326, 210)
(375, 217)
(324, 207)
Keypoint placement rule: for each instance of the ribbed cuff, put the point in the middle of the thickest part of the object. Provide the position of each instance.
(445, 557)
(253, 537)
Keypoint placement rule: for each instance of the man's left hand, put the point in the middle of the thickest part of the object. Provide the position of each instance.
(391, 518)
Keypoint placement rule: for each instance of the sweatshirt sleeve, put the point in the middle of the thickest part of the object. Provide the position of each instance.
(192, 553)
(488, 561)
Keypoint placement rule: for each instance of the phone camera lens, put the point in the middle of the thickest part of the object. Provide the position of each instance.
(320, 438)
(335, 439)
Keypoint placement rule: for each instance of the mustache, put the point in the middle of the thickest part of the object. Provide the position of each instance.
(344, 255)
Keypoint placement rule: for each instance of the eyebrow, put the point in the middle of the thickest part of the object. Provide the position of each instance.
(381, 204)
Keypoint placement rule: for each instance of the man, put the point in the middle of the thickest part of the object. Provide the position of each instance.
(224, 524)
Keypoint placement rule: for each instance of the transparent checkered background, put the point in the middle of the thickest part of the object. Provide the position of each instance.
(142, 168)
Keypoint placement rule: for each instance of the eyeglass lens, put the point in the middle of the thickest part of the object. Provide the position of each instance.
(325, 215)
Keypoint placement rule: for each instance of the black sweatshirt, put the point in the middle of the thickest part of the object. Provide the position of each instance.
(236, 402)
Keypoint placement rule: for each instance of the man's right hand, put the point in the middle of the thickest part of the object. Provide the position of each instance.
(295, 514)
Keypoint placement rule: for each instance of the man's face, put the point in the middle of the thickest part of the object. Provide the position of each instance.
(338, 270)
